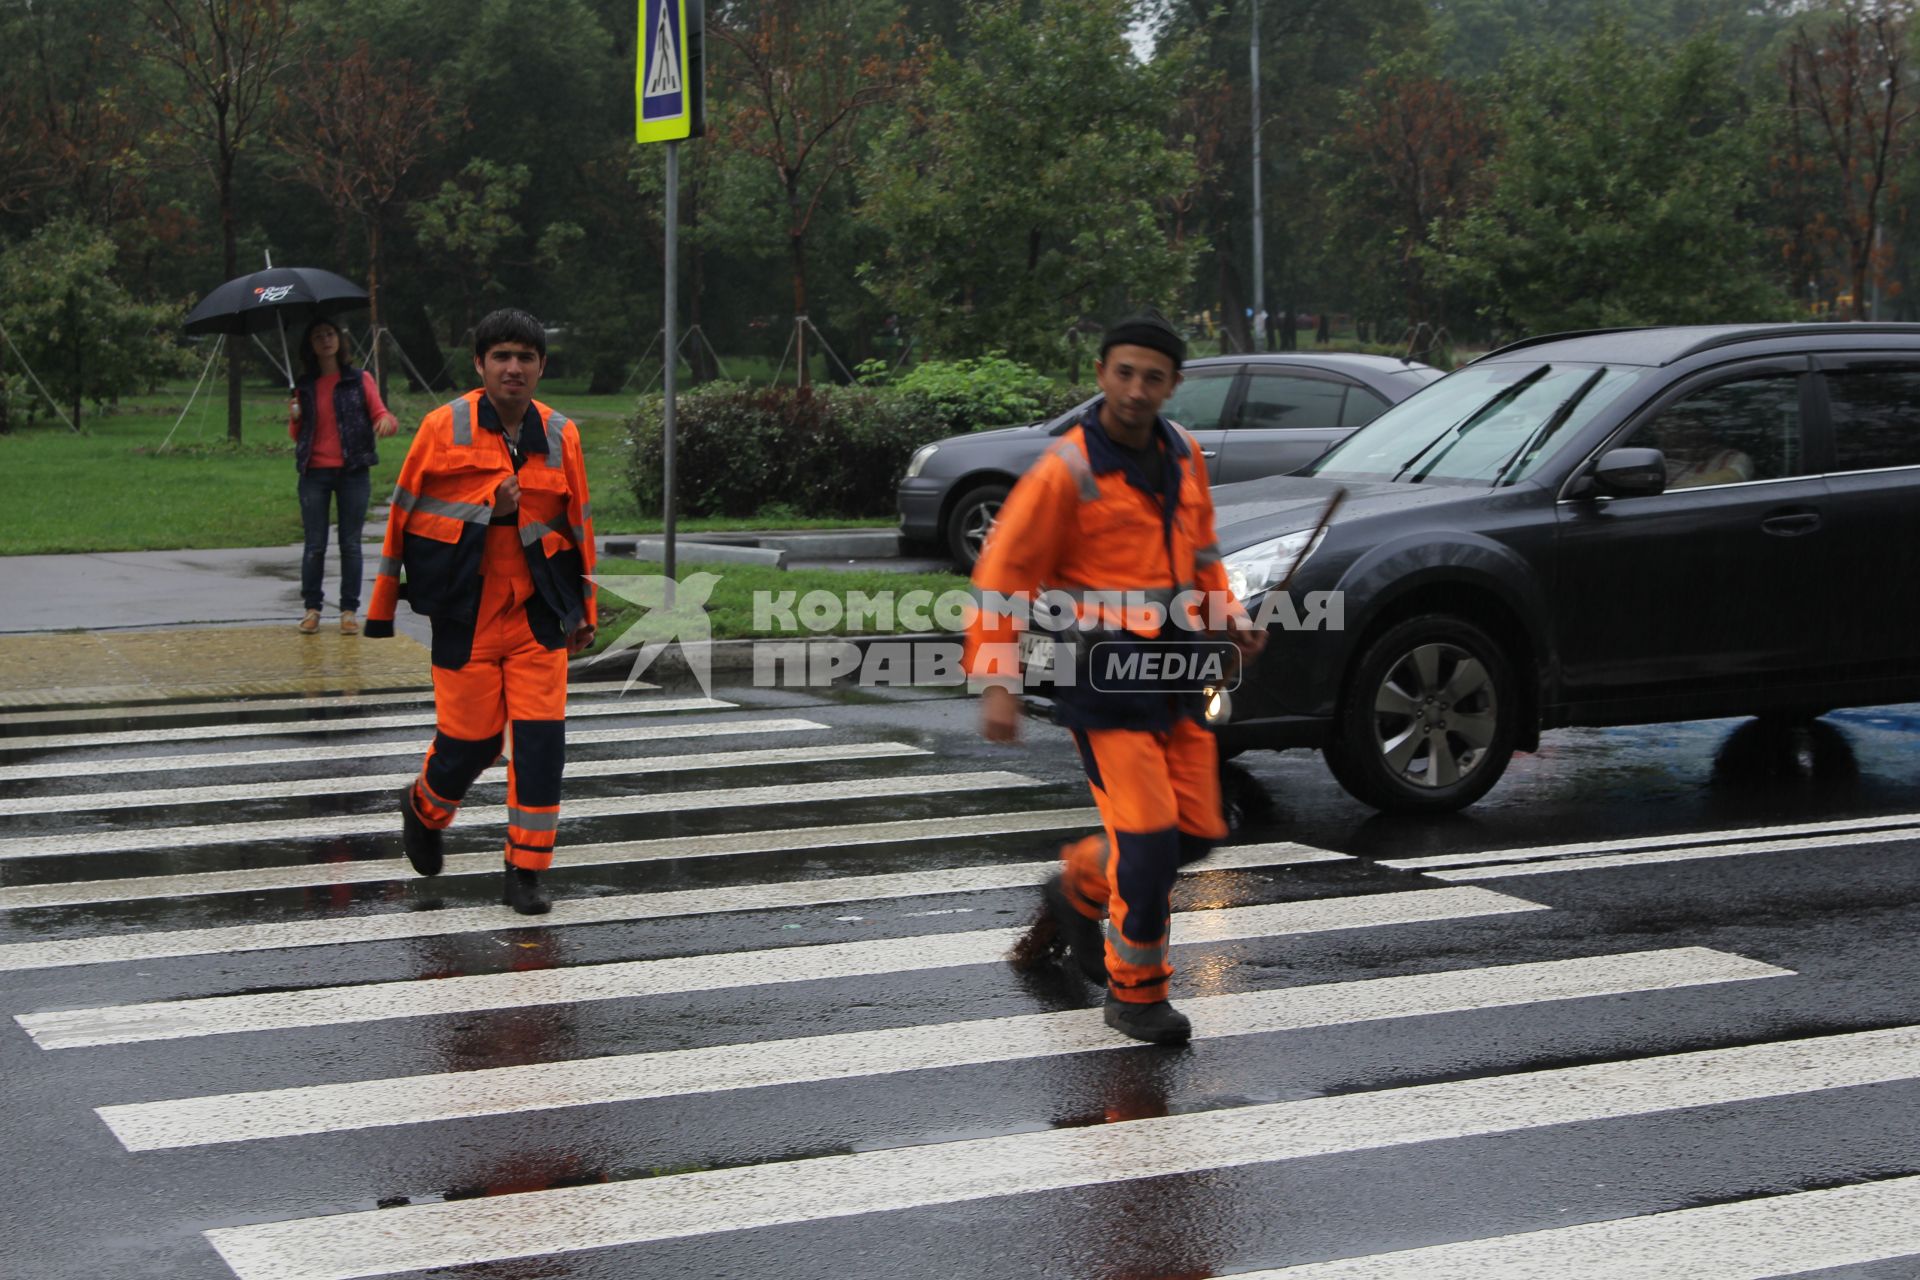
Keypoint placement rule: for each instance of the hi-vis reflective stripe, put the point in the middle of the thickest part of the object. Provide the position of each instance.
(1076, 459)
(1153, 953)
(529, 820)
(390, 566)
(533, 530)
(471, 512)
(1209, 554)
(556, 455)
(462, 421)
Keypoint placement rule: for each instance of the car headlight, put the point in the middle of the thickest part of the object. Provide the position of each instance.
(920, 457)
(1254, 569)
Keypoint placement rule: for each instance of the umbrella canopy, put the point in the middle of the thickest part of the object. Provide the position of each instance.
(253, 303)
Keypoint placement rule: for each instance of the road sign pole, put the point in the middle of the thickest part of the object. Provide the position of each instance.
(672, 350)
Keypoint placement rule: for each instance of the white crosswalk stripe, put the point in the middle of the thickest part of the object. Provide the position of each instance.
(93, 802)
(201, 988)
(171, 762)
(496, 815)
(151, 945)
(346, 724)
(419, 1099)
(580, 696)
(374, 1002)
(345, 1246)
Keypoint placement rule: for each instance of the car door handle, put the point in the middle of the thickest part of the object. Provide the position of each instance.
(1209, 453)
(1792, 525)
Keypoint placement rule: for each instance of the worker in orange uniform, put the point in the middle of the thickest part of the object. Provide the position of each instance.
(1119, 506)
(491, 523)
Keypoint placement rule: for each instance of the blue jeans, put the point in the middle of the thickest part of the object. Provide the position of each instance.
(319, 486)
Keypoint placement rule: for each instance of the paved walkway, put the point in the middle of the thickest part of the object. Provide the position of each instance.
(141, 626)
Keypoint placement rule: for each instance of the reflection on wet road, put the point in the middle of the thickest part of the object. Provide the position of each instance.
(1650, 1009)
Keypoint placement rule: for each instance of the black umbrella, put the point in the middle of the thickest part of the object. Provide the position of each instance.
(260, 301)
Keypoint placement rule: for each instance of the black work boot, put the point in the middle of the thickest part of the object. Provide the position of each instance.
(1157, 1023)
(523, 894)
(422, 842)
(1083, 936)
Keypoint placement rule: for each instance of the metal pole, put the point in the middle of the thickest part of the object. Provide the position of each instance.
(1259, 246)
(666, 428)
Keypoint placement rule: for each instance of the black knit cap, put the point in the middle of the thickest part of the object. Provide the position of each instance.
(1148, 329)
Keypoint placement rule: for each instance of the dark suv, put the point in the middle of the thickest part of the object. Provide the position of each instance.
(1616, 527)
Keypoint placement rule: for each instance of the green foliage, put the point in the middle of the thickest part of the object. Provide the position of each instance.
(1622, 195)
(77, 328)
(1032, 183)
(965, 395)
(821, 451)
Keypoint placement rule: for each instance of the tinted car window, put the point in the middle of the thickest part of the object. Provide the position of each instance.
(1280, 401)
(1361, 408)
(1737, 431)
(1199, 402)
(1474, 426)
(1876, 418)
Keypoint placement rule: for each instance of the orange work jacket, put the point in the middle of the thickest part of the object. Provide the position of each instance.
(443, 503)
(1080, 520)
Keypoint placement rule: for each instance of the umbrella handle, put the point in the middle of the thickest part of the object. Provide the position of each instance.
(286, 360)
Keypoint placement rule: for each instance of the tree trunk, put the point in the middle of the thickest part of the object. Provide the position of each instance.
(1235, 335)
(699, 357)
(373, 304)
(797, 246)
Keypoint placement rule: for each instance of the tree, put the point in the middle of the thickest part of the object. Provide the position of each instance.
(1407, 162)
(467, 223)
(1623, 193)
(227, 53)
(76, 327)
(1850, 111)
(1031, 183)
(798, 76)
(357, 131)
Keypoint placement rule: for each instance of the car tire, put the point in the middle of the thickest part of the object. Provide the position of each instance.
(1429, 717)
(968, 522)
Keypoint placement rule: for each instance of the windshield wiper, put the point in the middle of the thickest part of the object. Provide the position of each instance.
(1553, 424)
(1500, 401)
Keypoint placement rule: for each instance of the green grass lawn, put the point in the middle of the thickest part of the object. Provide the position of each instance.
(113, 489)
(730, 606)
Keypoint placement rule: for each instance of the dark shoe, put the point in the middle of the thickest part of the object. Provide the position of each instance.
(1156, 1023)
(1084, 939)
(523, 892)
(422, 842)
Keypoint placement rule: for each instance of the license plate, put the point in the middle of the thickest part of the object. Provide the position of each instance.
(1036, 652)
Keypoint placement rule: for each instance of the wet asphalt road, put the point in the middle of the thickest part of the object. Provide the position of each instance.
(1712, 1017)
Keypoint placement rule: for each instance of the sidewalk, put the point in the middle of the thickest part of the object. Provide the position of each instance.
(149, 626)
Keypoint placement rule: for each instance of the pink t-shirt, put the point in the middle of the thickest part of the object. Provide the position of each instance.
(326, 431)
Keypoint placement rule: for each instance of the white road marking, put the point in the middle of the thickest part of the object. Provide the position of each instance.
(374, 870)
(279, 830)
(346, 1246)
(1682, 839)
(374, 1002)
(279, 1113)
(99, 801)
(347, 724)
(1782, 1235)
(659, 731)
(627, 906)
(1853, 840)
(318, 702)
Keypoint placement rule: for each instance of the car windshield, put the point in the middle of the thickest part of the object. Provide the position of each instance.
(1485, 425)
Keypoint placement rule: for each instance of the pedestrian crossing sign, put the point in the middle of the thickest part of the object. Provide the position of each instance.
(669, 102)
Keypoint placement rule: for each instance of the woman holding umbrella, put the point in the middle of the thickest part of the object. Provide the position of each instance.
(335, 416)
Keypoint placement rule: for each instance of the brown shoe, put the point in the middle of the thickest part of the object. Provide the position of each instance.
(349, 625)
(310, 623)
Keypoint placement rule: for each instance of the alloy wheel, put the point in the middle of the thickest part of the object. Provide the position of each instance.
(1435, 714)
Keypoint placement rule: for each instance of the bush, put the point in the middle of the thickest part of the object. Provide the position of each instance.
(822, 451)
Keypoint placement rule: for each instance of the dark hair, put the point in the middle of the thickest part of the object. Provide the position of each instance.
(509, 324)
(309, 363)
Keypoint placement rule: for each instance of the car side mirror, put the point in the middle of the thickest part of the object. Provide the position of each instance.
(1630, 473)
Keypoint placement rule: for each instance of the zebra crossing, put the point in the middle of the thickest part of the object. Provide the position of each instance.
(770, 1018)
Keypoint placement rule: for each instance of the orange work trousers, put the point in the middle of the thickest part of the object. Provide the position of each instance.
(511, 679)
(1159, 798)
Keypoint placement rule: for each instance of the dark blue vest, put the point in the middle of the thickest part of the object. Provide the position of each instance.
(349, 414)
